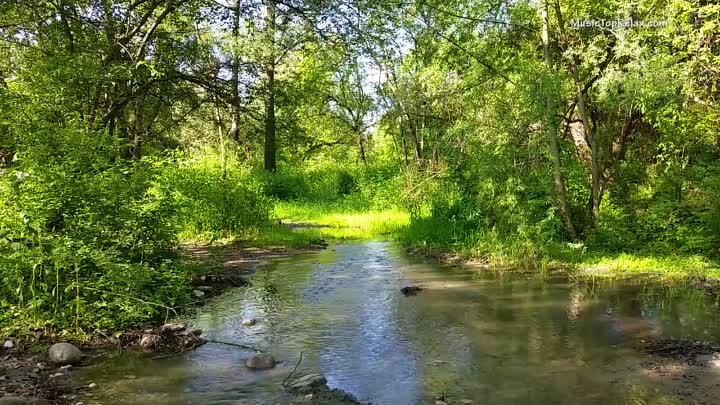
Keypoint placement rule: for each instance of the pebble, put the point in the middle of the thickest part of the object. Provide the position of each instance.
(467, 401)
(249, 322)
(92, 385)
(56, 375)
(8, 345)
(198, 293)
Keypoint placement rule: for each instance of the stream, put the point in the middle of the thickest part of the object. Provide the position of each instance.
(490, 338)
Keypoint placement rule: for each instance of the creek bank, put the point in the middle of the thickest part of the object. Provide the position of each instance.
(693, 353)
(576, 272)
(28, 376)
(230, 265)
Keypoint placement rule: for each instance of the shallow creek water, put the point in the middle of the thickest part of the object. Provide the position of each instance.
(493, 338)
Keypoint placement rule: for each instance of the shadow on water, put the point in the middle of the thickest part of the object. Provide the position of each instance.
(487, 338)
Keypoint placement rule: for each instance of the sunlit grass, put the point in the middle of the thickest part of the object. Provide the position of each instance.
(305, 224)
(434, 238)
(625, 265)
(340, 221)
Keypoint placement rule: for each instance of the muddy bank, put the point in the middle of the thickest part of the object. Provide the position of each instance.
(229, 265)
(27, 375)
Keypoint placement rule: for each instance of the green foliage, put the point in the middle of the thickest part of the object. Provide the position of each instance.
(84, 241)
(210, 202)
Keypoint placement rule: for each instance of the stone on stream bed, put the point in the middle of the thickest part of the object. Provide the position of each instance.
(410, 290)
(260, 361)
(8, 345)
(249, 322)
(62, 354)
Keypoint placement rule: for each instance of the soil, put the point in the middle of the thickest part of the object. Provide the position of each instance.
(687, 369)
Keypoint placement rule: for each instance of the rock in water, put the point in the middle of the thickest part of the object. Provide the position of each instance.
(410, 290)
(8, 345)
(249, 322)
(10, 400)
(260, 361)
(204, 288)
(306, 384)
(62, 354)
(198, 293)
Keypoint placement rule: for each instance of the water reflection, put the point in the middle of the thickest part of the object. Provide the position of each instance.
(508, 339)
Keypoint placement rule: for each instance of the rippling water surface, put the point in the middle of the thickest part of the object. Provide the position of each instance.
(495, 338)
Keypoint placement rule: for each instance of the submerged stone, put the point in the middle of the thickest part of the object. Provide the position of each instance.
(260, 361)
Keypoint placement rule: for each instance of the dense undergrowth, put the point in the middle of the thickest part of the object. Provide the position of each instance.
(92, 244)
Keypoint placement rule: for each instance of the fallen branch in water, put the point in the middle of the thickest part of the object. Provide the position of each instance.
(293, 372)
(233, 344)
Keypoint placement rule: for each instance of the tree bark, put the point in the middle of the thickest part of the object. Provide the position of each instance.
(552, 131)
(361, 147)
(590, 135)
(270, 144)
(235, 123)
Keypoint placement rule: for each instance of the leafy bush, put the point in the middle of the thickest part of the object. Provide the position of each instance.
(210, 202)
(85, 242)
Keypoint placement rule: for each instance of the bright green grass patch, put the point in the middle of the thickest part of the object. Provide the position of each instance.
(670, 268)
(340, 220)
(307, 224)
(438, 238)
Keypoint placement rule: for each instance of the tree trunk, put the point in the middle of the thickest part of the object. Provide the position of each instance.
(361, 146)
(235, 125)
(552, 131)
(590, 136)
(270, 146)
